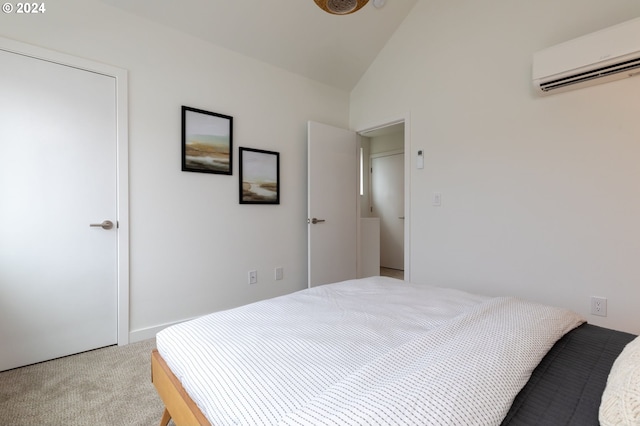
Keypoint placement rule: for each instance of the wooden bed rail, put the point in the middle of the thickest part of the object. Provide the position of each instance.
(178, 404)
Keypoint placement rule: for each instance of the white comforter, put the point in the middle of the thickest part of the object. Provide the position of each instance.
(376, 351)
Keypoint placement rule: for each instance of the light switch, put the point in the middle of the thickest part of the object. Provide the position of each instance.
(437, 199)
(420, 160)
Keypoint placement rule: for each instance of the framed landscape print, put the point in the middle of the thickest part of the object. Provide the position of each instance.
(259, 176)
(207, 141)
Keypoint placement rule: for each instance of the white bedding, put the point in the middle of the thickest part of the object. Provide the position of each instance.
(373, 351)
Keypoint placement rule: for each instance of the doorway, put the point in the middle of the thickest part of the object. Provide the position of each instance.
(367, 250)
(383, 192)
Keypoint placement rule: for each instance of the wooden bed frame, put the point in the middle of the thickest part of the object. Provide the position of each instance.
(178, 404)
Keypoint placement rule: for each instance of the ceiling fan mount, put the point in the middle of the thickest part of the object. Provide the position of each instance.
(345, 7)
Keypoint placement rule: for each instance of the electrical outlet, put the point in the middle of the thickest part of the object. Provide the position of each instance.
(253, 277)
(599, 306)
(279, 273)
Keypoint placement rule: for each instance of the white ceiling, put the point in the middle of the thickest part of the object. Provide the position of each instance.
(292, 34)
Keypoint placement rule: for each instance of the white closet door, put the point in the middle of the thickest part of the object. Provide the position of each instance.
(58, 276)
(387, 188)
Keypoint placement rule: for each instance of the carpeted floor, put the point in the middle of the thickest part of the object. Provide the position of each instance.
(109, 386)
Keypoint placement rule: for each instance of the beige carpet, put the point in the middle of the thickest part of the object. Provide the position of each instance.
(109, 386)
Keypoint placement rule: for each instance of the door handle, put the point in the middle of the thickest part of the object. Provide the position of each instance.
(401, 217)
(106, 224)
(316, 220)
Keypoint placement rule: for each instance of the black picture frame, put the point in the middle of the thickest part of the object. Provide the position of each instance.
(259, 181)
(207, 142)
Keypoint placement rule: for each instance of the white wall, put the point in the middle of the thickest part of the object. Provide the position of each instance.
(385, 143)
(540, 196)
(191, 242)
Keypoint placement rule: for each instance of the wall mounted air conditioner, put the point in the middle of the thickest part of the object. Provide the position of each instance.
(600, 57)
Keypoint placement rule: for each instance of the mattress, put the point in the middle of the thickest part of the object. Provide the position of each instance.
(567, 386)
(370, 351)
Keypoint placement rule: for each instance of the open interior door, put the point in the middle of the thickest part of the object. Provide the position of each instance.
(332, 204)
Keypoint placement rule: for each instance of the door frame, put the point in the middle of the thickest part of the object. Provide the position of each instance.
(406, 119)
(122, 162)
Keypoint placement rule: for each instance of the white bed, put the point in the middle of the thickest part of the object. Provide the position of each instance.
(371, 351)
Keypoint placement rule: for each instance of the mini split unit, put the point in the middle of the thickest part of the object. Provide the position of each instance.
(604, 56)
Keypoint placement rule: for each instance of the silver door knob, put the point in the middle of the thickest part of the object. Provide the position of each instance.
(315, 220)
(106, 224)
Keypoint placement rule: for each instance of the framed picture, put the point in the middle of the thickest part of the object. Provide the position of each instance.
(259, 176)
(207, 141)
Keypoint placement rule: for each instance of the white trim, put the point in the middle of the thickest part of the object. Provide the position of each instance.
(122, 115)
(358, 208)
(407, 197)
(122, 172)
(406, 119)
(150, 332)
(146, 333)
(384, 124)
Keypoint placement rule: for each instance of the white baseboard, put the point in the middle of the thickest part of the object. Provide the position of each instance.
(150, 332)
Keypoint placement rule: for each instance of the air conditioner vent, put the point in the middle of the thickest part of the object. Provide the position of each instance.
(590, 75)
(606, 55)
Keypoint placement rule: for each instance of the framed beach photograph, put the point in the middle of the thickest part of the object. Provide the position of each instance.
(259, 176)
(207, 141)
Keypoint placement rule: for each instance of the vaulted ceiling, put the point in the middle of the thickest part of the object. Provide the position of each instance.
(295, 35)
